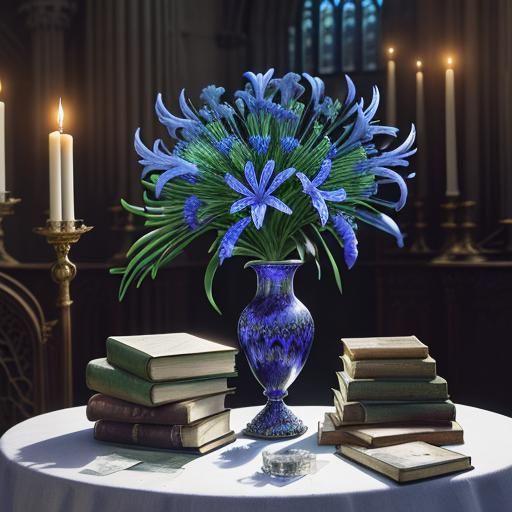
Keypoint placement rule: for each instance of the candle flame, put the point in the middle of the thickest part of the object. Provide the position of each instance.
(449, 61)
(391, 51)
(60, 116)
(419, 64)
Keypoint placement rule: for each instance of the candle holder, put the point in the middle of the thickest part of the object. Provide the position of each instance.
(61, 235)
(7, 203)
(420, 246)
(459, 244)
(451, 244)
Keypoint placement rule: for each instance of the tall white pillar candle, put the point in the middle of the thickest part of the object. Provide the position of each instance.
(2, 148)
(55, 177)
(391, 89)
(68, 200)
(420, 131)
(452, 179)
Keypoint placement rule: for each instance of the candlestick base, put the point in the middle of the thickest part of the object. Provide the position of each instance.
(61, 235)
(420, 247)
(459, 245)
(7, 203)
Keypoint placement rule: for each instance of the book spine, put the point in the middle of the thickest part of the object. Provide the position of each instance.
(154, 436)
(119, 384)
(128, 358)
(102, 407)
(413, 413)
(396, 390)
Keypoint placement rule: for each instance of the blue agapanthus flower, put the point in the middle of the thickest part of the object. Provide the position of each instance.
(261, 196)
(289, 87)
(289, 144)
(260, 143)
(190, 209)
(318, 197)
(224, 145)
(346, 232)
(231, 237)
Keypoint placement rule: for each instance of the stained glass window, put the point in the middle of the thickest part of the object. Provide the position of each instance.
(336, 35)
(326, 38)
(307, 36)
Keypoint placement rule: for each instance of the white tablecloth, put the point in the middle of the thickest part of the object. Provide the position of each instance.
(40, 460)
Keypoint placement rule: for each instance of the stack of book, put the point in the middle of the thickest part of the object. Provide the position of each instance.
(162, 391)
(389, 393)
(392, 411)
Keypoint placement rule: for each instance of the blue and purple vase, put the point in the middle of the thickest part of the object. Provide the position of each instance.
(276, 332)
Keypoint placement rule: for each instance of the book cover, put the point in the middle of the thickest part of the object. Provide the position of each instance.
(104, 407)
(104, 378)
(377, 436)
(173, 437)
(390, 368)
(409, 461)
(170, 356)
(393, 412)
(391, 347)
(359, 390)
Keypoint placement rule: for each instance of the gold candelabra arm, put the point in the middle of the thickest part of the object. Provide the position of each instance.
(7, 203)
(61, 236)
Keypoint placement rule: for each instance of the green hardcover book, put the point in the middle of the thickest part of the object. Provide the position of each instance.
(359, 390)
(172, 356)
(104, 378)
(355, 413)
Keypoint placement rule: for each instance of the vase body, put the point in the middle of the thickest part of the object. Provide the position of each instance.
(275, 332)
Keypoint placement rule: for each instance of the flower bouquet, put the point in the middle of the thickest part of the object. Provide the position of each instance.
(272, 176)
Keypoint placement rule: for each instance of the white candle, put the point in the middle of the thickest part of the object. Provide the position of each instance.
(452, 179)
(391, 89)
(55, 177)
(68, 202)
(420, 130)
(2, 148)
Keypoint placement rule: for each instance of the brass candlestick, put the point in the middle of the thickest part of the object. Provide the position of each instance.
(467, 249)
(7, 203)
(420, 246)
(61, 236)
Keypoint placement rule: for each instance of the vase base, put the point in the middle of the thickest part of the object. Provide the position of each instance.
(275, 421)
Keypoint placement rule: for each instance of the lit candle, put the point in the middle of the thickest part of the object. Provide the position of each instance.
(55, 173)
(420, 130)
(2, 148)
(391, 89)
(452, 180)
(66, 156)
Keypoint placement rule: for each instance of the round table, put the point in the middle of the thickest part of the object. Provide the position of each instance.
(40, 460)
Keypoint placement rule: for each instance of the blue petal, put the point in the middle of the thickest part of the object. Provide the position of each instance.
(351, 91)
(190, 127)
(259, 82)
(231, 237)
(185, 109)
(280, 179)
(258, 214)
(394, 177)
(306, 183)
(266, 174)
(334, 195)
(347, 234)
(190, 209)
(278, 205)
(323, 174)
(166, 177)
(317, 89)
(236, 185)
(289, 87)
(383, 222)
(320, 206)
(250, 175)
(241, 204)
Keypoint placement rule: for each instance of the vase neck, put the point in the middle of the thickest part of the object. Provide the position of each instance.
(275, 278)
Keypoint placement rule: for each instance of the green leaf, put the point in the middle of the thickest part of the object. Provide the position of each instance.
(209, 274)
(334, 265)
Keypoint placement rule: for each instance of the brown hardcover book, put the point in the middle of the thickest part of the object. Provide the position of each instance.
(172, 437)
(356, 413)
(378, 436)
(328, 434)
(104, 407)
(359, 390)
(409, 461)
(390, 368)
(396, 347)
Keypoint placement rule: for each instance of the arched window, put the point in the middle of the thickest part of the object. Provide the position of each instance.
(336, 35)
(307, 36)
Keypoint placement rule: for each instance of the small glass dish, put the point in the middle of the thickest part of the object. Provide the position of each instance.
(288, 462)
